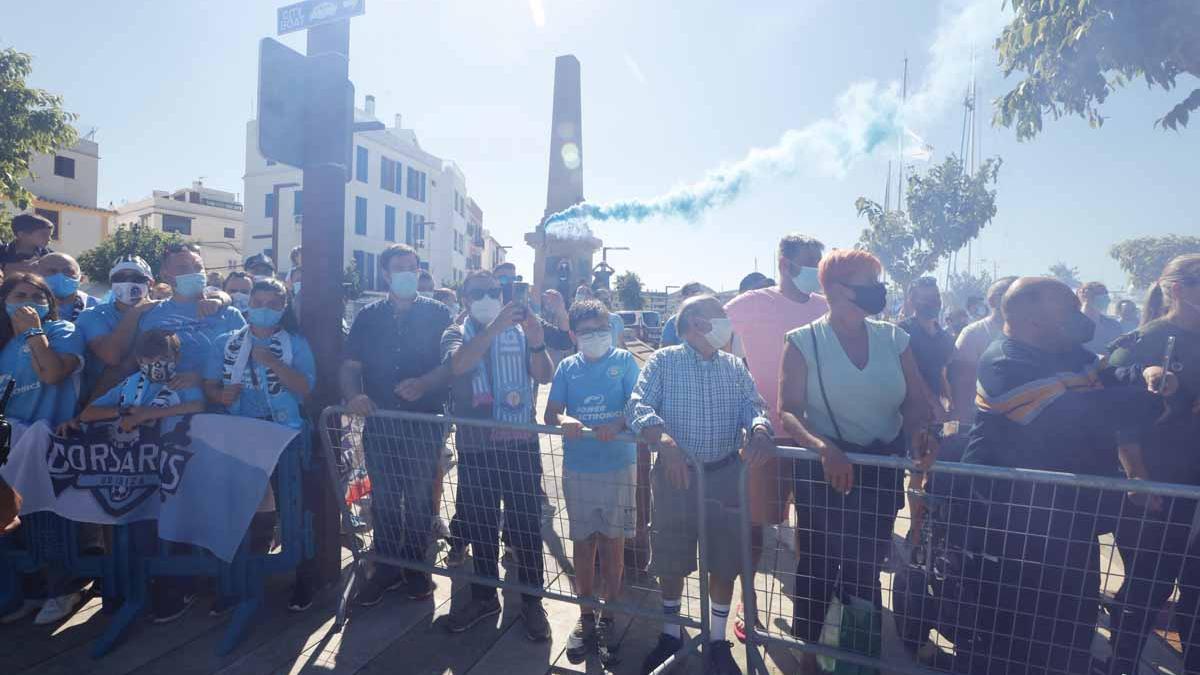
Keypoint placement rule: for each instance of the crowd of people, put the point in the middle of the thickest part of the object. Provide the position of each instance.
(1043, 378)
(203, 345)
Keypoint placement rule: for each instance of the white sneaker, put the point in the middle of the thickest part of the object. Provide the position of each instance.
(26, 608)
(57, 609)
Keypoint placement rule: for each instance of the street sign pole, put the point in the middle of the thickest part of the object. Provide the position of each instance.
(323, 241)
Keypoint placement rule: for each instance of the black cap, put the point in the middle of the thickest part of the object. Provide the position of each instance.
(752, 281)
(259, 259)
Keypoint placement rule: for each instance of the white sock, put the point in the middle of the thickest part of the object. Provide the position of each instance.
(671, 617)
(718, 617)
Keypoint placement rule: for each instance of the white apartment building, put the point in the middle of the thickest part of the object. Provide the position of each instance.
(398, 193)
(64, 185)
(211, 219)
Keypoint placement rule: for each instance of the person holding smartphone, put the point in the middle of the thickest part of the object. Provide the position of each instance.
(1153, 537)
(495, 357)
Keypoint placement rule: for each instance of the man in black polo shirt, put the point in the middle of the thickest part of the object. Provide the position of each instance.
(931, 345)
(393, 362)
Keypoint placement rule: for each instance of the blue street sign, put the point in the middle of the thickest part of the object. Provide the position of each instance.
(309, 13)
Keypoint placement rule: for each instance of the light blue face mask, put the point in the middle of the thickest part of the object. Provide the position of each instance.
(190, 285)
(42, 310)
(807, 281)
(404, 284)
(264, 317)
(62, 285)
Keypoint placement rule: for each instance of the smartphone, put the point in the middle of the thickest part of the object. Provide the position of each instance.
(520, 296)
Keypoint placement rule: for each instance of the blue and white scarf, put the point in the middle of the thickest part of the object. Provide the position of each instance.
(237, 369)
(507, 386)
(133, 390)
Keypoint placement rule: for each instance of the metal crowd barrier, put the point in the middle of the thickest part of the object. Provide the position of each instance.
(125, 567)
(387, 465)
(1011, 571)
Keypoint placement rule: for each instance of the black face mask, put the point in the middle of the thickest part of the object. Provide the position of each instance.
(870, 298)
(928, 311)
(1079, 329)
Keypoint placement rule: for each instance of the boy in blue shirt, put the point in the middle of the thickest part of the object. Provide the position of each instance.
(589, 391)
(144, 396)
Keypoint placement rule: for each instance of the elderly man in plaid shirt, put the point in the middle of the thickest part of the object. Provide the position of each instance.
(698, 405)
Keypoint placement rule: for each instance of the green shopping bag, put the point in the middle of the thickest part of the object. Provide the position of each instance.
(853, 627)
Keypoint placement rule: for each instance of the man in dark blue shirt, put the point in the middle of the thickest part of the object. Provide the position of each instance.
(393, 362)
(1047, 403)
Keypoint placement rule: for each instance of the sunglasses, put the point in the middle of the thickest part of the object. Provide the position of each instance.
(480, 293)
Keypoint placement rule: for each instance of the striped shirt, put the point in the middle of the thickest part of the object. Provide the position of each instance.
(705, 405)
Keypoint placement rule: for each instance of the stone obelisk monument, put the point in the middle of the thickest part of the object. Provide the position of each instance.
(561, 261)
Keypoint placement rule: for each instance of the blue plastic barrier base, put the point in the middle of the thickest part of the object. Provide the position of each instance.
(124, 618)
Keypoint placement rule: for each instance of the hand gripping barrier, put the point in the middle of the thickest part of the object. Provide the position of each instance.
(987, 570)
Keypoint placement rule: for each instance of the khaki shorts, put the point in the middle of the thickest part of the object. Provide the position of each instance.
(675, 523)
(603, 503)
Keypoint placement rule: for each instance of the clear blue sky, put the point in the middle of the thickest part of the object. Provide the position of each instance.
(669, 91)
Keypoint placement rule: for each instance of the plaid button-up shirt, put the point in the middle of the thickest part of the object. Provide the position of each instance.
(704, 405)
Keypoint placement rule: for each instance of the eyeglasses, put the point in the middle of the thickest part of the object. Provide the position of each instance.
(593, 334)
(479, 293)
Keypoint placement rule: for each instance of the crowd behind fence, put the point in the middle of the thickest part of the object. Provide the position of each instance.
(1009, 570)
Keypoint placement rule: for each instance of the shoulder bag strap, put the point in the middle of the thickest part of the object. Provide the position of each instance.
(821, 382)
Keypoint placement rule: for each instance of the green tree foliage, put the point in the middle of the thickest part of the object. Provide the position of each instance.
(1066, 274)
(1074, 53)
(1144, 258)
(5, 225)
(947, 208)
(32, 122)
(629, 291)
(964, 286)
(146, 242)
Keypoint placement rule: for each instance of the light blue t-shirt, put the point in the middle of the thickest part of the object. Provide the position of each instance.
(670, 333)
(32, 399)
(595, 393)
(98, 321)
(94, 323)
(149, 394)
(253, 402)
(71, 312)
(196, 335)
(866, 403)
(617, 325)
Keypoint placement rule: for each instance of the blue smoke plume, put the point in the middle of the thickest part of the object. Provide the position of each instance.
(867, 115)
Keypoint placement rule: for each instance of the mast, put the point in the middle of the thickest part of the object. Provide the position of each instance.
(900, 158)
(887, 188)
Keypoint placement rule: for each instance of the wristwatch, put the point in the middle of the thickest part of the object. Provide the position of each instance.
(32, 332)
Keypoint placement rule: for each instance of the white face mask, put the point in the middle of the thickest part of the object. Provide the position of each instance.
(240, 300)
(595, 346)
(486, 310)
(720, 334)
(130, 292)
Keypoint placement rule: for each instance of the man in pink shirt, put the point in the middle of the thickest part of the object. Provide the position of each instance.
(761, 318)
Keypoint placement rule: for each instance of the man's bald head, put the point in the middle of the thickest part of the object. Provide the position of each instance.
(1037, 310)
(58, 263)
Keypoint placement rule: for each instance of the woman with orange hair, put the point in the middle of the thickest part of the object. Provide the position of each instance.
(848, 383)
